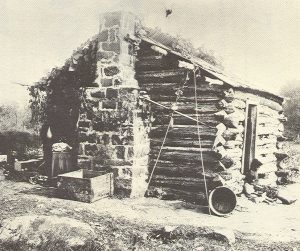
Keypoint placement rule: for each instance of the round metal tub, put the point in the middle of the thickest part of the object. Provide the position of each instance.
(222, 201)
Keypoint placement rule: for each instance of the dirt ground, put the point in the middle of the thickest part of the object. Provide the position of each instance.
(134, 224)
(129, 224)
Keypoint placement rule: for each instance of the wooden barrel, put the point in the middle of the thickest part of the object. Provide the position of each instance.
(61, 163)
(222, 201)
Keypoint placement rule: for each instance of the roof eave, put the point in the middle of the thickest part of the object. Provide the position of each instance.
(216, 72)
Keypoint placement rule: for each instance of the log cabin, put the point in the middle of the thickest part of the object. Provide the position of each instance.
(164, 120)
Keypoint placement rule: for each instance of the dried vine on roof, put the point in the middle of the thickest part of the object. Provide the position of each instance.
(181, 45)
(63, 87)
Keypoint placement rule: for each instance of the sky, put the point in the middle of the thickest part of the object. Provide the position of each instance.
(257, 40)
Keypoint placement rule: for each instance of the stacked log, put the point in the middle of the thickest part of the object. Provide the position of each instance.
(270, 129)
(229, 139)
(221, 113)
(231, 132)
(269, 135)
(179, 170)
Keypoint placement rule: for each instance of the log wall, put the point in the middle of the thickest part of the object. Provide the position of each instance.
(179, 173)
(270, 130)
(221, 111)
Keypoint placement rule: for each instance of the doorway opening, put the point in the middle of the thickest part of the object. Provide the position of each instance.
(249, 137)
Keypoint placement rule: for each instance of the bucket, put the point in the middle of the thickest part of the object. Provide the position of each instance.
(222, 201)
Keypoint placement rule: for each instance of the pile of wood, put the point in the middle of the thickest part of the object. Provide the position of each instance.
(267, 194)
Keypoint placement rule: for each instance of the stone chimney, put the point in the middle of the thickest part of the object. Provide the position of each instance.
(116, 136)
(116, 53)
